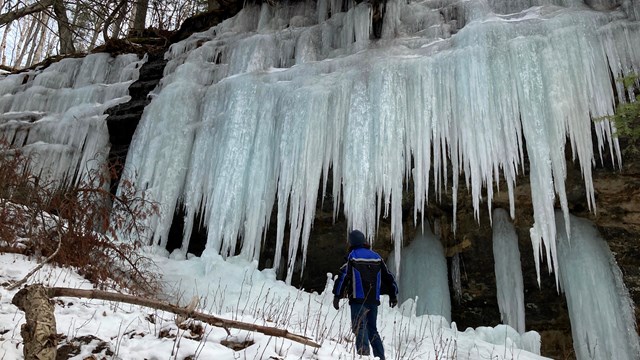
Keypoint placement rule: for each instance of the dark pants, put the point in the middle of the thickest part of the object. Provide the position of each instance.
(363, 325)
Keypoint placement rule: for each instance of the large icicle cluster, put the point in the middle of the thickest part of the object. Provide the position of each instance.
(57, 114)
(253, 113)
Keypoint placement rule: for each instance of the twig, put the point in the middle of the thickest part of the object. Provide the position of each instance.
(22, 281)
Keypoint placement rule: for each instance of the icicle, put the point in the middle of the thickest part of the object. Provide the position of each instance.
(509, 283)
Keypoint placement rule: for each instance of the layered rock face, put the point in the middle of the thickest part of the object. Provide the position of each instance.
(123, 119)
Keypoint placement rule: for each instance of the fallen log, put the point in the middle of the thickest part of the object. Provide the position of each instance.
(161, 305)
(39, 331)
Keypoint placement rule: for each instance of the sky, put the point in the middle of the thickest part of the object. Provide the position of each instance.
(235, 289)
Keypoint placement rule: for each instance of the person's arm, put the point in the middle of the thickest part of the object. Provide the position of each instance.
(389, 285)
(339, 286)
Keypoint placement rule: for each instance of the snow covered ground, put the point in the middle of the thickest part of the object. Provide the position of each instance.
(234, 289)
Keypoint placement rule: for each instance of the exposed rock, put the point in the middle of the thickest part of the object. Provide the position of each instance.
(123, 119)
(206, 20)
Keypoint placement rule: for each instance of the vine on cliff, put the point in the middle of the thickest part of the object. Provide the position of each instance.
(627, 115)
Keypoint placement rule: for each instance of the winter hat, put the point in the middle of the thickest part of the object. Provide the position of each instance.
(357, 239)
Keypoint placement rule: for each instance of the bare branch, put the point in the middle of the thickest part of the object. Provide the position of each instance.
(27, 10)
(109, 20)
(17, 284)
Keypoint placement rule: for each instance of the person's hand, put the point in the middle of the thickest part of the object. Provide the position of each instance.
(393, 302)
(336, 303)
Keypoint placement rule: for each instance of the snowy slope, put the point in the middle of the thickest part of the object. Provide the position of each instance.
(236, 290)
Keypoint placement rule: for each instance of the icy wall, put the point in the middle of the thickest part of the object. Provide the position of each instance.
(57, 114)
(252, 114)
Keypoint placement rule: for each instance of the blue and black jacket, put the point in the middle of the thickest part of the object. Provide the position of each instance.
(364, 277)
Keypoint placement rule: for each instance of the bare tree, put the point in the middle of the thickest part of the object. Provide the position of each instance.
(38, 51)
(64, 28)
(65, 32)
(29, 47)
(110, 20)
(27, 35)
(140, 18)
(120, 21)
(80, 23)
(38, 6)
(3, 44)
(95, 33)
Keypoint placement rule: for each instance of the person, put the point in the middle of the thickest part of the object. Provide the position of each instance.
(363, 278)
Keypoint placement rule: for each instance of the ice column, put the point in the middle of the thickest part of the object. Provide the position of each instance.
(600, 309)
(510, 290)
(423, 275)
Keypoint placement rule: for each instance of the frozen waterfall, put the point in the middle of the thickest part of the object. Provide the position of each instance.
(256, 113)
(57, 113)
(601, 311)
(509, 283)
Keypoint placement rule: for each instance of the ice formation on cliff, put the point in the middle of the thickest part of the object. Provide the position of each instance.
(254, 113)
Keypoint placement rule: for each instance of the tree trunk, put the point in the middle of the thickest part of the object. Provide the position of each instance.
(25, 41)
(38, 40)
(39, 55)
(117, 23)
(109, 20)
(96, 33)
(64, 28)
(39, 330)
(141, 16)
(51, 47)
(3, 45)
(27, 10)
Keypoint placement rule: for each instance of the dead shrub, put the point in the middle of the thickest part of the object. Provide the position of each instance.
(84, 216)
(12, 216)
